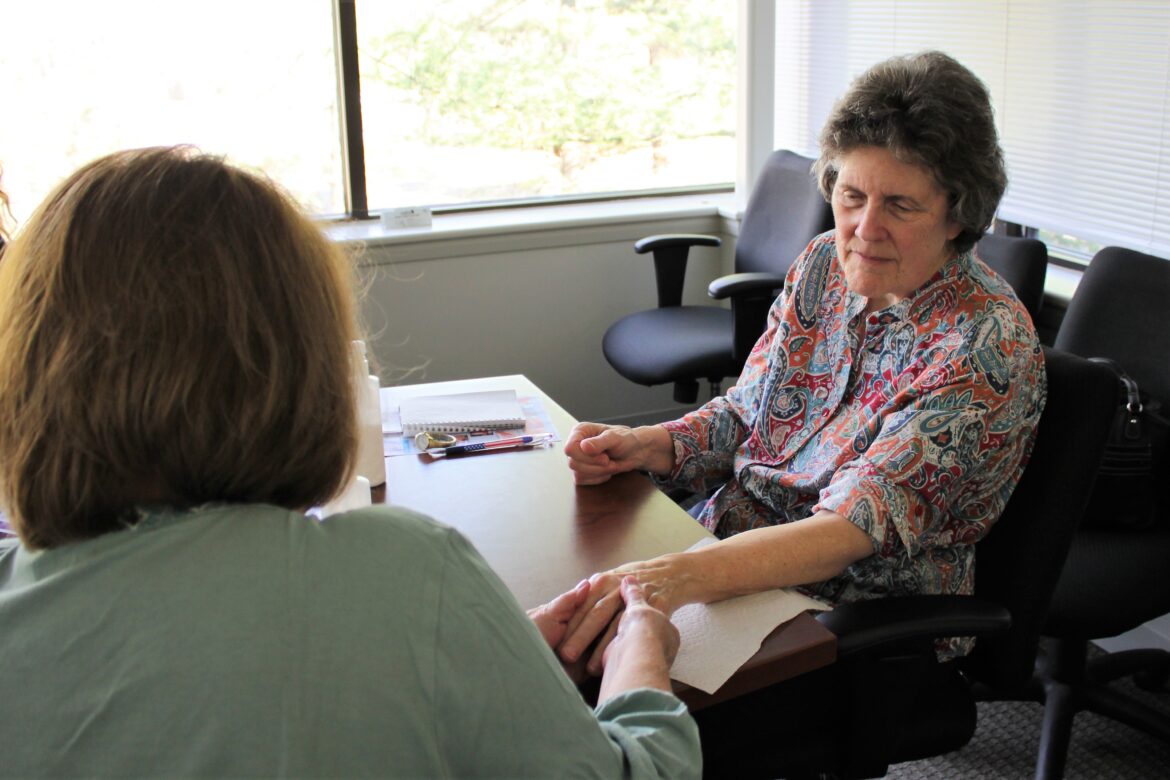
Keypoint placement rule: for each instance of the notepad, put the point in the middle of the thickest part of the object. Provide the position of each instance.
(461, 412)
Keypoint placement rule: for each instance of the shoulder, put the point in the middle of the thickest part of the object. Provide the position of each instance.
(382, 546)
(384, 533)
(975, 306)
(987, 296)
(973, 329)
(388, 520)
(372, 525)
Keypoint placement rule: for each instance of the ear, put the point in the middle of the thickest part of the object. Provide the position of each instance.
(953, 230)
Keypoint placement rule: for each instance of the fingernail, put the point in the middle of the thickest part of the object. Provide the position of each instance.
(582, 584)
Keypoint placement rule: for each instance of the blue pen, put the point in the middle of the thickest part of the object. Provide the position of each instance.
(510, 442)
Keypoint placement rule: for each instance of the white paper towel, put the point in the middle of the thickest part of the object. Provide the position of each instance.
(719, 638)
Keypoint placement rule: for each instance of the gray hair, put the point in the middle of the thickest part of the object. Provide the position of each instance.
(928, 110)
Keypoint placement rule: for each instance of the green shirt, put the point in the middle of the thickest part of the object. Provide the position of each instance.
(253, 641)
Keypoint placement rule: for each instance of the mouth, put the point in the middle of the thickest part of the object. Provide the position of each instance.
(868, 258)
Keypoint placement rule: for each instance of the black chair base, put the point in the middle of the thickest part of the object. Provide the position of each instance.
(1149, 668)
(1066, 683)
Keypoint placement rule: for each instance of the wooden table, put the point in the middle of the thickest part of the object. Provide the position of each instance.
(543, 534)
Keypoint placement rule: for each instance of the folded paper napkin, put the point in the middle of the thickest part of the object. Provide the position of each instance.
(719, 638)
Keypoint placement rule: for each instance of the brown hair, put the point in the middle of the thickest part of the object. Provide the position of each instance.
(929, 110)
(172, 331)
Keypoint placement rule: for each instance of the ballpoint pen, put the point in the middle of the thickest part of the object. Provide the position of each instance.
(511, 442)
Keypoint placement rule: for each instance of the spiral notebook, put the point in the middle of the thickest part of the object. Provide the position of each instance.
(461, 412)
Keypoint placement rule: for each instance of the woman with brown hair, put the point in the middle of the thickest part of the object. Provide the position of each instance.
(174, 394)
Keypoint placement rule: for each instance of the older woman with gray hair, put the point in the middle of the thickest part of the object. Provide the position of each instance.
(884, 417)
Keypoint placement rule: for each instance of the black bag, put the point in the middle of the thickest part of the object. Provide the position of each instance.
(1132, 481)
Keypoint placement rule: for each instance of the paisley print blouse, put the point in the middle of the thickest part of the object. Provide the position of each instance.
(914, 422)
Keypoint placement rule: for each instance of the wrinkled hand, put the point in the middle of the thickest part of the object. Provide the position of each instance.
(644, 647)
(597, 619)
(641, 621)
(596, 452)
(552, 619)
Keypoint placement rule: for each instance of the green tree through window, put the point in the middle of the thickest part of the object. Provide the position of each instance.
(591, 95)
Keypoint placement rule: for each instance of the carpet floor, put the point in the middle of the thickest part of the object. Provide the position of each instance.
(1008, 734)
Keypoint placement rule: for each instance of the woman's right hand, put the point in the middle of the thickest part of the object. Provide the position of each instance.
(661, 582)
(643, 649)
(596, 452)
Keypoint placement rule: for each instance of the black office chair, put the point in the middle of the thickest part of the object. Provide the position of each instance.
(682, 344)
(1114, 579)
(901, 703)
(1022, 262)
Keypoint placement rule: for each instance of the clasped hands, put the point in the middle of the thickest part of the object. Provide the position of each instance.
(616, 607)
(596, 452)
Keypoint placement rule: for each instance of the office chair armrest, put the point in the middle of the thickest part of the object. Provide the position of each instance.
(670, 262)
(751, 297)
(871, 626)
(668, 241)
(734, 285)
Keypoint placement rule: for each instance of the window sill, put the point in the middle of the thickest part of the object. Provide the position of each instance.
(536, 227)
(1060, 283)
(500, 230)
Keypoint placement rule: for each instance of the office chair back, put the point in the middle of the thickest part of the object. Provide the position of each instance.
(1023, 264)
(1119, 312)
(1019, 562)
(1115, 577)
(682, 344)
(886, 646)
(784, 212)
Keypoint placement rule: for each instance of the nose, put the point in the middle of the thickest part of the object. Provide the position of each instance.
(870, 224)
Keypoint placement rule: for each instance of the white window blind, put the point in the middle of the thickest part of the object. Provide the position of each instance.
(1081, 91)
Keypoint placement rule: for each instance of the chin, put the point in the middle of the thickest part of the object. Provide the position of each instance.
(865, 285)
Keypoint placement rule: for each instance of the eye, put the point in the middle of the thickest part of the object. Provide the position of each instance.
(850, 197)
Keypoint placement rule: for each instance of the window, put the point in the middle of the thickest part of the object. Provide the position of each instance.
(253, 80)
(1081, 91)
(499, 100)
(1069, 247)
(462, 100)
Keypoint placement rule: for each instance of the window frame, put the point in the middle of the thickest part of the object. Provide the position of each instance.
(353, 140)
(1057, 255)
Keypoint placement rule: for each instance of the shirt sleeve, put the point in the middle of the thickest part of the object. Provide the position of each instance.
(946, 459)
(507, 709)
(705, 440)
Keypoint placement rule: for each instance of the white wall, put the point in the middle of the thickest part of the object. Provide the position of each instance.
(533, 302)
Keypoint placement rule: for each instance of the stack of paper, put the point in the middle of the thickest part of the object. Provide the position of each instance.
(461, 412)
